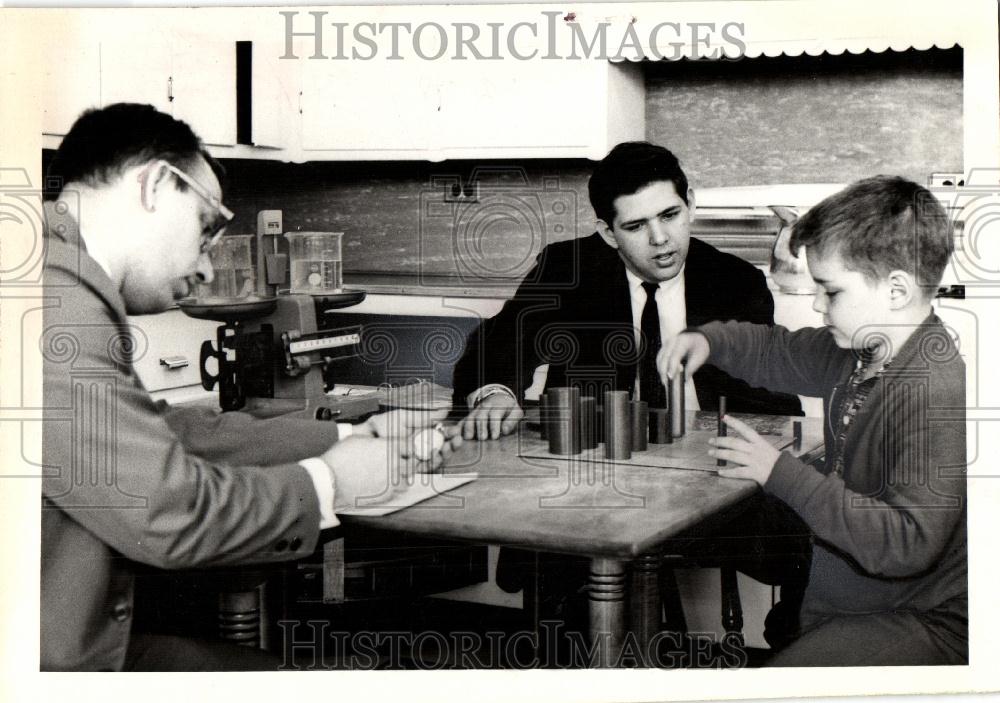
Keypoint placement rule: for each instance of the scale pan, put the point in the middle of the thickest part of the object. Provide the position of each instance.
(228, 309)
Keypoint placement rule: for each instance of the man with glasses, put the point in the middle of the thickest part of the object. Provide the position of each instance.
(129, 482)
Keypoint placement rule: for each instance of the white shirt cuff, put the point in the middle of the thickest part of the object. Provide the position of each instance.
(322, 478)
(478, 396)
(344, 430)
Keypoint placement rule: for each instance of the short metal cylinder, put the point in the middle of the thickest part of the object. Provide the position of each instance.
(564, 425)
(677, 416)
(617, 425)
(640, 425)
(659, 426)
(588, 422)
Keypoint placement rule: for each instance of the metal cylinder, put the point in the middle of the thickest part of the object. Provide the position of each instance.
(677, 416)
(588, 422)
(543, 415)
(640, 425)
(564, 425)
(659, 426)
(617, 425)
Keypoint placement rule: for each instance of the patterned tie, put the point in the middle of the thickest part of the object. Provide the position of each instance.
(650, 387)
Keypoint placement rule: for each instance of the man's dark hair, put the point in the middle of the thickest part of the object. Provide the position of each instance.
(627, 169)
(103, 143)
(878, 225)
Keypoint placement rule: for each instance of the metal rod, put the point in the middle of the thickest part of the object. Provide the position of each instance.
(677, 416)
(721, 426)
(543, 415)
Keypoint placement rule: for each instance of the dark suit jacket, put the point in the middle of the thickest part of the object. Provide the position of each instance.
(573, 311)
(121, 484)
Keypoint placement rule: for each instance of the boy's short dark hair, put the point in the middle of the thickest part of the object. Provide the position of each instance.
(878, 225)
(105, 142)
(627, 169)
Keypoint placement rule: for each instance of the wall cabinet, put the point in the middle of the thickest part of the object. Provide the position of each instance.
(436, 110)
(193, 81)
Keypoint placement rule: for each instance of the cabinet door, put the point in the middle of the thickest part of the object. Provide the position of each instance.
(204, 88)
(71, 82)
(194, 81)
(274, 98)
(372, 106)
(136, 70)
(514, 105)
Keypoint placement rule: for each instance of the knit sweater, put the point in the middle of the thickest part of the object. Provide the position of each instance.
(889, 529)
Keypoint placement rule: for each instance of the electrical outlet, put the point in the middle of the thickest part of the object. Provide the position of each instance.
(458, 192)
(946, 180)
(269, 222)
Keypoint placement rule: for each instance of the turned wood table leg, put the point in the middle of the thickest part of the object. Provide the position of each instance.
(606, 594)
(644, 601)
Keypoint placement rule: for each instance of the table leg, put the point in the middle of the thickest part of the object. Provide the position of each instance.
(644, 600)
(606, 594)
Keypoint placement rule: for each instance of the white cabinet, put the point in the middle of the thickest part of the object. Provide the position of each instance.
(194, 81)
(70, 81)
(436, 110)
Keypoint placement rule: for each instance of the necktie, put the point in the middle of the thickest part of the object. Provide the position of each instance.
(650, 387)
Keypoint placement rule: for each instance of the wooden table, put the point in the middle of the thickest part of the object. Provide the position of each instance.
(617, 516)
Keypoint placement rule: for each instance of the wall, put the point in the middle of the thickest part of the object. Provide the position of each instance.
(753, 121)
(823, 119)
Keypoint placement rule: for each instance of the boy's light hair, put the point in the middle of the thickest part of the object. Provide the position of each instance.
(878, 225)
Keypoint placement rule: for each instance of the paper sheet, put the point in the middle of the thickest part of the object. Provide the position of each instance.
(422, 487)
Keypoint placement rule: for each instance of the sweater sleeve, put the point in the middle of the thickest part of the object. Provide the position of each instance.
(805, 362)
(902, 526)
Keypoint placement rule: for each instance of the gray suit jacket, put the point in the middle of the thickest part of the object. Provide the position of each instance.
(127, 480)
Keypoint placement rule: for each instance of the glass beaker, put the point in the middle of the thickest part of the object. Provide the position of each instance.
(232, 264)
(315, 262)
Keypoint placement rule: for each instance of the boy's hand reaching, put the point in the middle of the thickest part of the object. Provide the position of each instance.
(753, 455)
(689, 348)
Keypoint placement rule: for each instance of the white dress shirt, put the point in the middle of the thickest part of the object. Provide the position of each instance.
(670, 305)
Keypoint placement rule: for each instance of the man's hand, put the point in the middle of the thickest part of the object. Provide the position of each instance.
(365, 468)
(399, 423)
(753, 455)
(497, 415)
(691, 348)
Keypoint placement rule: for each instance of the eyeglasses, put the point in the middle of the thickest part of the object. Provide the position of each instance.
(210, 237)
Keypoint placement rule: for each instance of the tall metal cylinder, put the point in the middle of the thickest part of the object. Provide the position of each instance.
(588, 422)
(564, 426)
(543, 415)
(617, 425)
(640, 425)
(677, 416)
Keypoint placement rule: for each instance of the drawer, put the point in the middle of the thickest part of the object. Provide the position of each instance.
(170, 334)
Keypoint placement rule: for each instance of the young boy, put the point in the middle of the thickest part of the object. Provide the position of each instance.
(887, 510)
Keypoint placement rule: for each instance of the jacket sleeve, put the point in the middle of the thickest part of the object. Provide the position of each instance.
(805, 362)
(239, 438)
(903, 528)
(502, 349)
(114, 465)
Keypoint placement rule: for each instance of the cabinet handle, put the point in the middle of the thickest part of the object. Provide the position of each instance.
(173, 362)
